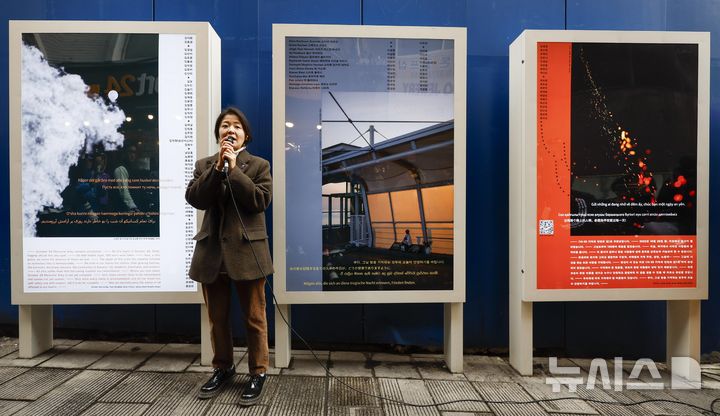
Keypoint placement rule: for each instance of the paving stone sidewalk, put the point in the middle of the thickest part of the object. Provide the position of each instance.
(113, 378)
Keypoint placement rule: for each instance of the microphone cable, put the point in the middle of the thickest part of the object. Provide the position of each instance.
(710, 411)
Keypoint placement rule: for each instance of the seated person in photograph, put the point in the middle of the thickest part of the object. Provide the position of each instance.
(232, 250)
(89, 180)
(123, 175)
(407, 241)
(75, 197)
(100, 178)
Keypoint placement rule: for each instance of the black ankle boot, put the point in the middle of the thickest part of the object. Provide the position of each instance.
(252, 392)
(214, 385)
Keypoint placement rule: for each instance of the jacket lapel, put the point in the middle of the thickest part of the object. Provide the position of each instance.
(243, 160)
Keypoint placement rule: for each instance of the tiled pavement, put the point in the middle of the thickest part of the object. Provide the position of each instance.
(112, 378)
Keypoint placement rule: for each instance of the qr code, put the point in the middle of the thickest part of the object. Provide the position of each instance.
(547, 227)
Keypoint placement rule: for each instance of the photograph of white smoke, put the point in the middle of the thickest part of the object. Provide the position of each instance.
(89, 106)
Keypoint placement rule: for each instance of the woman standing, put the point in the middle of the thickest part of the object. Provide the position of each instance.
(234, 188)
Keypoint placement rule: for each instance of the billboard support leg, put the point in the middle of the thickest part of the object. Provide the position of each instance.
(521, 330)
(206, 350)
(683, 339)
(35, 330)
(521, 312)
(282, 336)
(454, 337)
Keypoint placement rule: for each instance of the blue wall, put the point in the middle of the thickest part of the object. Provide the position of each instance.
(579, 329)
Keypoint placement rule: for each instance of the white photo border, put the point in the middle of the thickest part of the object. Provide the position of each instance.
(459, 36)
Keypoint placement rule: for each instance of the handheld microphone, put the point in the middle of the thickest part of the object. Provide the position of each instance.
(226, 165)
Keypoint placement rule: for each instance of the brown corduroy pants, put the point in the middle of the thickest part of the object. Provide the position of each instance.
(252, 302)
